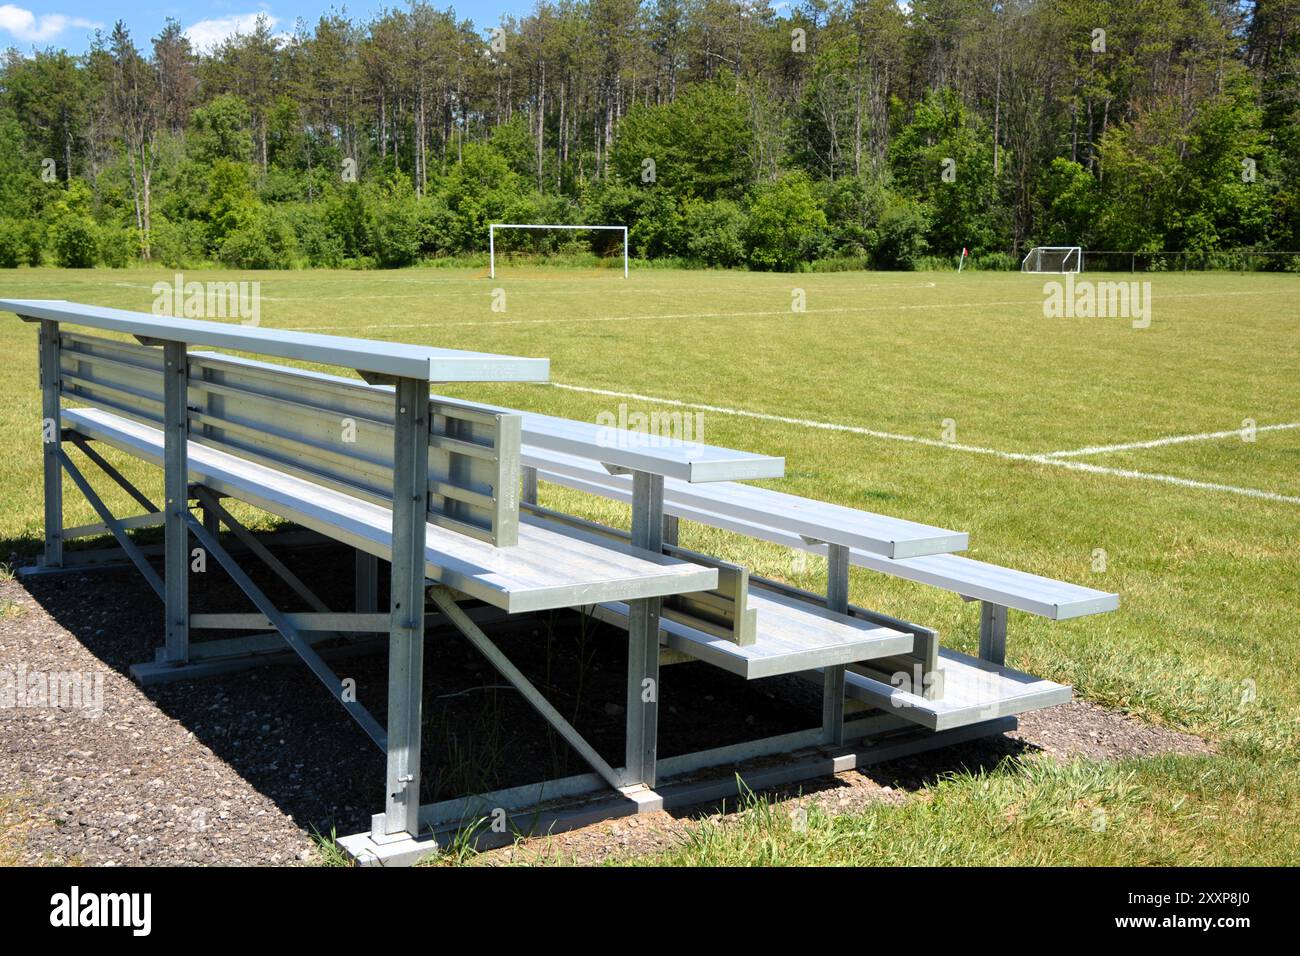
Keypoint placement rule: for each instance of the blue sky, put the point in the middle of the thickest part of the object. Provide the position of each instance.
(69, 24)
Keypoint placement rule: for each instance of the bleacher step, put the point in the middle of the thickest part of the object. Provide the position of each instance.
(972, 691)
(793, 636)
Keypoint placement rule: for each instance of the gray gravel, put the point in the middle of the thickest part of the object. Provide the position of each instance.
(132, 786)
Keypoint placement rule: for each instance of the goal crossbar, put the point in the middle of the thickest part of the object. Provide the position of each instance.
(492, 238)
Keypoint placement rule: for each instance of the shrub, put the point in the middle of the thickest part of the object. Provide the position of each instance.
(32, 236)
(715, 232)
(175, 244)
(651, 215)
(117, 246)
(349, 219)
(76, 243)
(264, 242)
(786, 224)
(902, 231)
(395, 234)
(318, 242)
(853, 209)
(433, 222)
(11, 245)
(840, 264)
(995, 262)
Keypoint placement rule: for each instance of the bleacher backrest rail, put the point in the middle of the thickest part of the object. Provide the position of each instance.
(322, 428)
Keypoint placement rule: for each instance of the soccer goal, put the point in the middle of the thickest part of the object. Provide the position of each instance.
(492, 238)
(1053, 259)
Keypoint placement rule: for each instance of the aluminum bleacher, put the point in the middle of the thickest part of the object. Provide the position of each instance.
(445, 491)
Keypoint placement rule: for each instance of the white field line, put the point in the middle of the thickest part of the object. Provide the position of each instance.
(1039, 459)
(1171, 440)
(803, 422)
(1166, 479)
(488, 323)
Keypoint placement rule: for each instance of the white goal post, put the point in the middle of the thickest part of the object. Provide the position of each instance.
(1053, 259)
(492, 238)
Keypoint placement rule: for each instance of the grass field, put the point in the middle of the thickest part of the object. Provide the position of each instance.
(947, 399)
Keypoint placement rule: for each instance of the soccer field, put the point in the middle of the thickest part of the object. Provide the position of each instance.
(1160, 462)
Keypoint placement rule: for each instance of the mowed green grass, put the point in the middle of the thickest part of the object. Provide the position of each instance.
(1205, 639)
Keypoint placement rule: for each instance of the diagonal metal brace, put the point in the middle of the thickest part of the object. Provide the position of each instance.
(103, 464)
(441, 597)
(250, 541)
(292, 636)
(110, 521)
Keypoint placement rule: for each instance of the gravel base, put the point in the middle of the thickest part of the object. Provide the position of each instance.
(132, 786)
(241, 769)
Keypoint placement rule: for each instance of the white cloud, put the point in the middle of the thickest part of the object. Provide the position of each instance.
(26, 25)
(209, 33)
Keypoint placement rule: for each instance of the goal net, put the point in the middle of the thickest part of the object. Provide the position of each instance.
(1053, 259)
(535, 240)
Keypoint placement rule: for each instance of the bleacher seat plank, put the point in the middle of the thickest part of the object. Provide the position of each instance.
(551, 567)
(428, 363)
(979, 580)
(739, 506)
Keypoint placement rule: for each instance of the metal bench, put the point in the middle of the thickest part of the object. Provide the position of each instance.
(548, 566)
(588, 459)
(797, 636)
(446, 490)
(963, 689)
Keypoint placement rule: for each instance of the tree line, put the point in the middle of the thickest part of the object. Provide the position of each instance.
(721, 132)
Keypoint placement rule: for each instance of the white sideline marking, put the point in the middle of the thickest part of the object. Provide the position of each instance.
(1171, 440)
(1166, 479)
(805, 422)
(1040, 459)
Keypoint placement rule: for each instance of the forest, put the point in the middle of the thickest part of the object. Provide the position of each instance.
(723, 133)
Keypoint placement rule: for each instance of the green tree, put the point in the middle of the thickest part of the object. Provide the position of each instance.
(944, 158)
(76, 245)
(1071, 201)
(700, 144)
(715, 231)
(220, 130)
(786, 223)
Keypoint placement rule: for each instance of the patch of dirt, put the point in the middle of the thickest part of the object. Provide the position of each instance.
(1083, 729)
(241, 768)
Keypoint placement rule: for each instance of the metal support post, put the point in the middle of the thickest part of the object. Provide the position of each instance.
(176, 503)
(993, 633)
(406, 629)
(643, 637)
(529, 494)
(51, 443)
(672, 529)
(837, 599)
